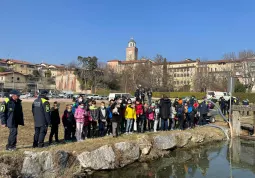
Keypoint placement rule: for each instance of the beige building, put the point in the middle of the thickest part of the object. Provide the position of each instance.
(131, 59)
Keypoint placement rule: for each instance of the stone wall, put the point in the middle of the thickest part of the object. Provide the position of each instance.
(106, 157)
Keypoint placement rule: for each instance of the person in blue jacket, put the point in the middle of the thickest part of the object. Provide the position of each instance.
(11, 115)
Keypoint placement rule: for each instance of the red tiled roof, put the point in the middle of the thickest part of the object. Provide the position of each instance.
(133, 62)
(6, 73)
(114, 60)
(17, 61)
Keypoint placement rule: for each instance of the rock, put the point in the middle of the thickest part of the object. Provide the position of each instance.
(38, 164)
(61, 159)
(127, 153)
(99, 159)
(5, 170)
(165, 142)
(144, 144)
(183, 138)
(197, 138)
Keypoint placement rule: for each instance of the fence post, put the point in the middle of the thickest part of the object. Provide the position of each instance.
(236, 123)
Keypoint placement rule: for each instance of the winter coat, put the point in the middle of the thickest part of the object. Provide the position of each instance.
(130, 112)
(79, 115)
(54, 116)
(164, 107)
(139, 109)
(116, 117)
(203, 109)
(149, 93)
(150, 114)
(11, 113)
(94, 113)
(101, 117)
(68, 119)
(172, 112)
(41, 111)
(157, 114)
(87, 117)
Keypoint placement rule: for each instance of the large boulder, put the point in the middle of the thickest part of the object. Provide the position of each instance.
(127, 153)
(183, 138)
(165, 142)
(144, 144)
(99, 159)
(38, 164)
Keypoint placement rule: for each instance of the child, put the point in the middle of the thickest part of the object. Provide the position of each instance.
(55, 121)
(172, 117)
(102, 117)
(140, 116)
(130, 116)
(79, 117)
(69, 123)
(87, 121)
(151, 116)
(94, 114)
(109, 122)
(157, 117)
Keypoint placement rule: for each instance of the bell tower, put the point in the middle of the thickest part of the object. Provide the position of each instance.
(131, 51)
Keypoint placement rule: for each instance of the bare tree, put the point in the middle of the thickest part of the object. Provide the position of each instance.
(158, 58)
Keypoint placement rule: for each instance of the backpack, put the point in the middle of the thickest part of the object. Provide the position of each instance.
(190, 108)
(180, 110)
(109, 112)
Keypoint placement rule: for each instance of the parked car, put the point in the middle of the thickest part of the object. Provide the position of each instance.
(23, 96)
(93, 96)
(113, 96)
(105, 97)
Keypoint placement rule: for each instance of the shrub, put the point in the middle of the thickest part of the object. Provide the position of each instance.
(243, 96)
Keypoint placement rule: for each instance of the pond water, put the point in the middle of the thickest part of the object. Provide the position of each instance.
(217, 160)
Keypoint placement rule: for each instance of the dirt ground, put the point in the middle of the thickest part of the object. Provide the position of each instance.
(26, 133)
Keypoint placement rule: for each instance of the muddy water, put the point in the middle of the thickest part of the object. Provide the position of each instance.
(212, 161)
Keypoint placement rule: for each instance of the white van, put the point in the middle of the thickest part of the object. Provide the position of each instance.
(217, 95)
(112, 96)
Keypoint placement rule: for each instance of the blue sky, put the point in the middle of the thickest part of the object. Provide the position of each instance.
(57, 31)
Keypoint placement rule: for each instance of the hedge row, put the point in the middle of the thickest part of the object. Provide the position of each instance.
(179, 94)
(243, 96)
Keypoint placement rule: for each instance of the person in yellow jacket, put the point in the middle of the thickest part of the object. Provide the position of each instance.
(130, 116)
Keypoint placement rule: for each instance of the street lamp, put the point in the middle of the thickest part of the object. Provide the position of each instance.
(11, 63)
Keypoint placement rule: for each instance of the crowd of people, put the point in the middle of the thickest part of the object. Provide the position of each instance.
(84, 119)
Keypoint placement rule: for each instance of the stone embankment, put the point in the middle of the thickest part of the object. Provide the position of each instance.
(117, 154)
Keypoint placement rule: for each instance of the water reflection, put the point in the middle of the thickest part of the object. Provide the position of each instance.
(215, 160)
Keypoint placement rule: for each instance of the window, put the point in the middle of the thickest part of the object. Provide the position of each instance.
(174, 75)
(22, 66)
(215, 69)
(211, 69)
(18, 78)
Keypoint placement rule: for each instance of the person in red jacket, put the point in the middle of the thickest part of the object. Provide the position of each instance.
(140, 117)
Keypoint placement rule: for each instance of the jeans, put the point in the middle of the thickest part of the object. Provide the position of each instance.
(109, 127)
(94, 129)
(12, 139)
(164, 124)
(129, 125)
(181, 121)
(54, 131)
(115, 129)
(40, 133)
(102, 128)
(79, 128)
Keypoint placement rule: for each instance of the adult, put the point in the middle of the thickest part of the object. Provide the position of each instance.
(11, 115)
(143, 95)
(164, 108)
(41, 113)
(149, 94)
(222, 103)
(203, 110)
